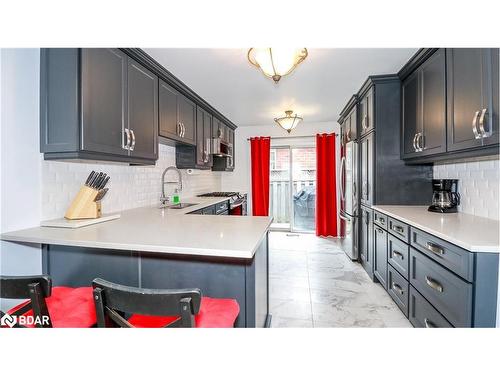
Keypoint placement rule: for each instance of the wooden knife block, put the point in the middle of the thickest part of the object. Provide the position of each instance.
(83, 206)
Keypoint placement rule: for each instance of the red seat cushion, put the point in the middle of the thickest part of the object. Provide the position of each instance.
(68, 307)
(214, 313)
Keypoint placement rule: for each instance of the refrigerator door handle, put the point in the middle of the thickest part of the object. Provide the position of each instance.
(343, 217)
(342, 178)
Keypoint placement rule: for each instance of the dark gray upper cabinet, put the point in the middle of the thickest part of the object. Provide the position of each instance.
(187, 118)
(367, 111)
(142, 111)
(424, 108)
(104, 100)
(89, 100)
(470, 91)
(411, 115)
(348, 120)
(177, 115)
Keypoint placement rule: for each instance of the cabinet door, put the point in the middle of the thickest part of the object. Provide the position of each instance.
(411, 115)
(230, 160)
(433, 102)
(380, 255)
(142, 110)
(353, 121)
(216, 124)
(104, 92)
(200, 136)
(366, 240)
(168, 123)
(207, 135)
(367, 158)
(367, 112)
(469, 92)
(187, 117)
(494, 120)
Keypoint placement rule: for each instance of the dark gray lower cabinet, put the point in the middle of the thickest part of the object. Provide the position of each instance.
(397, 286)
(366, 240)
(422, 314)
(380, 255)
(435, 283)
(448, 293)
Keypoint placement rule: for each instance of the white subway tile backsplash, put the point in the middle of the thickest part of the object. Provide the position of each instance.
(129, 186)
(478, 184)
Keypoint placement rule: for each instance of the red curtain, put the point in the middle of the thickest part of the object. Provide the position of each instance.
(260, 152)
(326, 189)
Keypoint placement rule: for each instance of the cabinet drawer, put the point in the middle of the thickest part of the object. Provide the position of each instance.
(454, 258)
(398, 229)
(398, 255)
(423, 315)
(448, 293)
(380, 219)
(220, 207)
(209, 210)
(397, 286)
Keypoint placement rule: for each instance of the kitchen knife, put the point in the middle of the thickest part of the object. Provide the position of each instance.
(103, 183)
(89, 178)
(100, 195)
(95, 183)
(92, 181)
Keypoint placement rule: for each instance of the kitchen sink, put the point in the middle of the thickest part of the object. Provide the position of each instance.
(179, 206)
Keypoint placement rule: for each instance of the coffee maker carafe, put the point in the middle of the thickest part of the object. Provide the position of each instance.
(445, 197)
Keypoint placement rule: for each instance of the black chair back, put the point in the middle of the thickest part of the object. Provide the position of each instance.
(114, 301)
(36, 288)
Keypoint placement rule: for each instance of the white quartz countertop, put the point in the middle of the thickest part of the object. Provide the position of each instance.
(473, 233)
(169, 231)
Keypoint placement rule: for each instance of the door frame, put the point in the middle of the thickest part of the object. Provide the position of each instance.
(291, 227)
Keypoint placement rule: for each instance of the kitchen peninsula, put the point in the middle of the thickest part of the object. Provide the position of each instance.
(224, 256)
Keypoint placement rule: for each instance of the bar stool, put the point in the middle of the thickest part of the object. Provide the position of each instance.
(124, 306)
(47, 306)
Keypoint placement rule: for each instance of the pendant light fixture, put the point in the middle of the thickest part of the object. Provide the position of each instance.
(288, 122)
(276, 62)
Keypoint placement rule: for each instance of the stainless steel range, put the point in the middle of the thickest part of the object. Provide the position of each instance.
(237, 201)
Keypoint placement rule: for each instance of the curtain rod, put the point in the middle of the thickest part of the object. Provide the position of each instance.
(294, 136)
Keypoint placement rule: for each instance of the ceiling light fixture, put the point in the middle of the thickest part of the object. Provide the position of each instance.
(288, 122)
(276, 62)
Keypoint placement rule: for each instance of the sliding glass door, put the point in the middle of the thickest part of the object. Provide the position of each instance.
(293, 188)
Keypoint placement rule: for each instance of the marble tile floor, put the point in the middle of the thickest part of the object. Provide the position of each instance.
(313, 283)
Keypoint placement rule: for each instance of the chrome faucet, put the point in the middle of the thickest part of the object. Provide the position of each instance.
(178, 189)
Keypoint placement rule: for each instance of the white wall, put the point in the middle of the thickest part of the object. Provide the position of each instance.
(240, 180)
(20, 160)
(478, 184)
(129, 186)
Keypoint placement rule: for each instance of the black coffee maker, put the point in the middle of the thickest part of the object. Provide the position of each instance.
(445, 197)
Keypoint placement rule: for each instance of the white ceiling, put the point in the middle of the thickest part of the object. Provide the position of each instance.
(317, 90)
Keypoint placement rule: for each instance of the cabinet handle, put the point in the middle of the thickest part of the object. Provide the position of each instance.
(179, 129)
(434, 284)
(398, 288)
(429, 324)
(420, 142)
(398, 229)
(414, 142)
(484, 134)
(381, 220)
(379, 230)
(127, 146)
(183, 130)
(365, 122)
(132, 146)
(397, 253)
(436, 249)
(474, 126)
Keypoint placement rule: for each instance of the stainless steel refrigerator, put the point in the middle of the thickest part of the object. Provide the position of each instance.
(349, 199)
